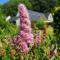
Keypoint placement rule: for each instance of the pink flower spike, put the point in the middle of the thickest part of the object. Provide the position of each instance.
(25, 33)
(38, 37)
(24, 47)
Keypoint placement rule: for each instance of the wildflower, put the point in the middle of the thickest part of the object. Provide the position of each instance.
(24, 47)
(25, 36)
(38, 37)
(26, 31)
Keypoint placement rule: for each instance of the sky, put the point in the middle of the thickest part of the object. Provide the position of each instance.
(3, 1)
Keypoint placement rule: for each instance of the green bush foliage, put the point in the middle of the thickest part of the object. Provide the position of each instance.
(56, 26)
(40, 23)
(6, 28)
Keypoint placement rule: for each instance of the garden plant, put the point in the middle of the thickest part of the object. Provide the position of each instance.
(24, 43)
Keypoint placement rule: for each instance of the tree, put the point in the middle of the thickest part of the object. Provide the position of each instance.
(56, 26)
(43, 5)
(10, 8)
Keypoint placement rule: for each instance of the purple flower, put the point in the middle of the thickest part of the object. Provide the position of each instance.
(25, 36)
(38, 37)
(25, 24)
(24, 47)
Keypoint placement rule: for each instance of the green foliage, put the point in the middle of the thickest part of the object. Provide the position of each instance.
(40, 24)
(35, 53)
(10, 8)
(57, 22)
(44, 5)
(57, 26)
(6, 29)
(40, 52)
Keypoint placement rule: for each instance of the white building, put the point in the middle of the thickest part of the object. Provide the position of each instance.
(34, 16)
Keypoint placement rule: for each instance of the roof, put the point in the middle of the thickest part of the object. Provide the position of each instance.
(33, 15)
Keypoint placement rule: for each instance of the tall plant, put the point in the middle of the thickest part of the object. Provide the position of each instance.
(25, 36)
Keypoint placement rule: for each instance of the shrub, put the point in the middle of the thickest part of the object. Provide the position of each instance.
(6, 28)
(56, 26)
(41, 22)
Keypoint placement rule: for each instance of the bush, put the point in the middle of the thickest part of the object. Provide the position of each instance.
(56, 26)
(40, 24)
(7, 29)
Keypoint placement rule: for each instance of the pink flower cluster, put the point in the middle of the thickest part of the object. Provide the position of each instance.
(25, 36)
(38, 39)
